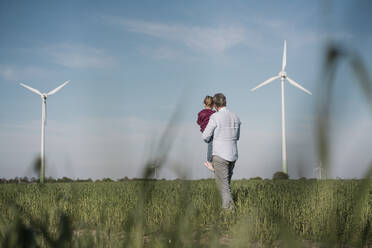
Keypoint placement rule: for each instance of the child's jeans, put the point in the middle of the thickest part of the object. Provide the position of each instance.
(209, 152)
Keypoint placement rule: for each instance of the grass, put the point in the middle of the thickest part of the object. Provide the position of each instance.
(185, 213)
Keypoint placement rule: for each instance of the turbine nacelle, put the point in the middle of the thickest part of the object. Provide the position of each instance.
(282, 75)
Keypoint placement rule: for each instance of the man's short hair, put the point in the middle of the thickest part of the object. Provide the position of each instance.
(219, 100)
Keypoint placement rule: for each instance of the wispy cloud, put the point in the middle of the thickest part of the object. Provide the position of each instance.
(221, 38)
(19, 73)
(79, 56)
(165, 53)
(298, 34)
(207, 39)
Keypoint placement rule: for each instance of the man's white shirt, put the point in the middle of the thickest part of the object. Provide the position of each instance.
(224, 127)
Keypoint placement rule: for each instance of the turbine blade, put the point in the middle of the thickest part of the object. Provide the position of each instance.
(32, 89)
(284, 56)
(298, 86)
(58, 88)
(266, 82)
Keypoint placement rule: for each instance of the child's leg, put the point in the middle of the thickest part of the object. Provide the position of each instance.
(209, 164)
(209, 152)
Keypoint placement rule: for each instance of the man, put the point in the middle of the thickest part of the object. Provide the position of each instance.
(224, 127)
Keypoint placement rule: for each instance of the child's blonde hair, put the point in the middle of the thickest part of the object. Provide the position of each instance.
(208, 101)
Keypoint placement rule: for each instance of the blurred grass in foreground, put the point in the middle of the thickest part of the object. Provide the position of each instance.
(108, 214)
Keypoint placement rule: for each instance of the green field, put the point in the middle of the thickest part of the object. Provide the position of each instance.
(181, 213)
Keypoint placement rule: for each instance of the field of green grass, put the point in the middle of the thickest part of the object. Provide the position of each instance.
(179, 213)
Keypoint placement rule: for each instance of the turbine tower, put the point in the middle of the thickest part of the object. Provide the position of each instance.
(283, 76)
(43, 122)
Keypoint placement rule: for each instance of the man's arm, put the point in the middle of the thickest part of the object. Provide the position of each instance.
(209, 130)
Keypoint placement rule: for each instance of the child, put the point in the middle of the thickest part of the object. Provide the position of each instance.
(203, 119)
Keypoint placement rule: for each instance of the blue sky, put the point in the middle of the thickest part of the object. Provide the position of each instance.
(131, 64)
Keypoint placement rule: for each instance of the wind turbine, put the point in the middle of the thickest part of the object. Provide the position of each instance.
(283, 76)
(43, 122)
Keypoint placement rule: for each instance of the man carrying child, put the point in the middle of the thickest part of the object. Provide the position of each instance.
(224, 128)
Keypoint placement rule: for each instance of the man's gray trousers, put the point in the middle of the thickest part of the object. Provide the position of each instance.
(223, 170)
